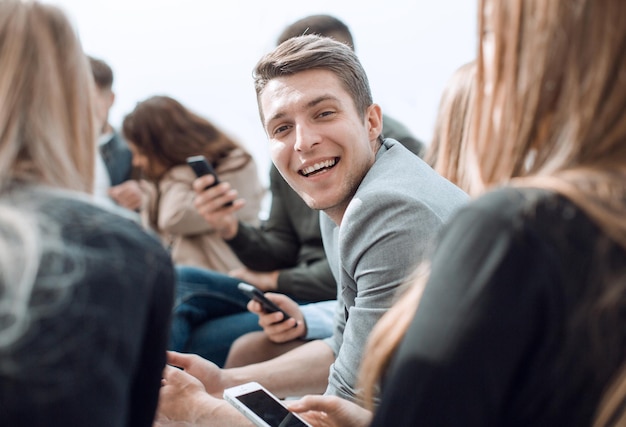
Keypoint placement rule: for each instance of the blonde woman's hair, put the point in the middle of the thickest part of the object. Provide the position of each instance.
(551, 114)
(47, 132)
(612, 409)
(446, 153)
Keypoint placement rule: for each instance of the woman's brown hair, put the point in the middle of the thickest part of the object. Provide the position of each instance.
(166, 132)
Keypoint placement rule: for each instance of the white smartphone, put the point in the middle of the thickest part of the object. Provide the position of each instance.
(261, 407)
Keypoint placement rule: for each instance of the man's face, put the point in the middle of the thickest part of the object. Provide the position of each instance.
(104, 101)
(318, 141)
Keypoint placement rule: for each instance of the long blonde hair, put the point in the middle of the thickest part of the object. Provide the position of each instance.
(552, 114)
(47, 132)
(446, 151)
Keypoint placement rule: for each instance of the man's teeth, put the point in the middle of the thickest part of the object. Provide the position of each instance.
(317, 166)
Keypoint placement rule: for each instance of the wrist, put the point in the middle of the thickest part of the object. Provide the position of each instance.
(230, 232)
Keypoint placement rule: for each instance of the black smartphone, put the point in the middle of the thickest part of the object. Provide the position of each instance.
(202, 167)
(257, 295)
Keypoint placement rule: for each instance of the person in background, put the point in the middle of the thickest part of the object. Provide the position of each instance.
(162, 134)
(83, 331)
(520, 321)
(380, 206)
(115, 177)
(444, 154)
(284, 255)
(447, 150)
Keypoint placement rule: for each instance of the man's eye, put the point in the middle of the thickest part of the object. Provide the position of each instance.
(326, 113)
(280, 129)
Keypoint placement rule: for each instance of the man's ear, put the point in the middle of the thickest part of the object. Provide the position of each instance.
(111, 99)
(374, 118)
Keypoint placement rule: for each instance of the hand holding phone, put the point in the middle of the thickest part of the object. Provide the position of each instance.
(202, 167)
(261, 407)
(255, 294)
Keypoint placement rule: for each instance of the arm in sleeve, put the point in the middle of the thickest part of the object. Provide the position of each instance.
(319, 319)
(380, 245)
(146, 383)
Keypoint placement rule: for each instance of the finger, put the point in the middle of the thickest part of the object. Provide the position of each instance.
(255, 307)
(179, 360)
(275, 321)
(312, 403)
(201, 183)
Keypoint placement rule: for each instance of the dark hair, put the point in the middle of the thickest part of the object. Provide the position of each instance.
(162, 129)
(102, 73)
(314, 52)
(322, 25)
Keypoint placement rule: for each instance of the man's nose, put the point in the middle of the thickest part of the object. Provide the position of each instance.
(306, 137)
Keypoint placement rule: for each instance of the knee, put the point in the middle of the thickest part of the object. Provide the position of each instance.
(247, 349)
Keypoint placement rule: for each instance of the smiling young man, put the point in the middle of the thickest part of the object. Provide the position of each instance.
(381, 207)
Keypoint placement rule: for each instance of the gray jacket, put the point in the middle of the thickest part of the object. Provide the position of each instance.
(385, 232)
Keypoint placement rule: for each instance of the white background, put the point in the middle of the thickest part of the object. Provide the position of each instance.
(202, 53)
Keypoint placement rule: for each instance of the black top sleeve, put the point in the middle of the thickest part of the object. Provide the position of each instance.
(289, 241)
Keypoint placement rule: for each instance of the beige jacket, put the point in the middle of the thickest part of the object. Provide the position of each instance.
(191, 240)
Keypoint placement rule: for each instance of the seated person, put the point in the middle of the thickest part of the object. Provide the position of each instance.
(162, 133)
(380, 207)
(85, 294)
(212, 312)
(115, 175)
(443, 154)
(285, 255)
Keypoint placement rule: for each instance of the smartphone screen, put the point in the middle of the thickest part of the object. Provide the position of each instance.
(269, 410)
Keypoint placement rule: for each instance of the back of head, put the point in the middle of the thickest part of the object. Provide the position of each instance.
(46, 120)
(102, 73)
(551, 101)
(322, 25)
(552, 75)
(311, 52)
(165, 131)
(446, 152)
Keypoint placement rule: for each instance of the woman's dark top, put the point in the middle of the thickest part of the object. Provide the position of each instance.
(94, 351)
(510, 330)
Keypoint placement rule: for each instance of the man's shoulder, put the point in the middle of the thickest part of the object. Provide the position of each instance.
(397, 168)
(399, 180)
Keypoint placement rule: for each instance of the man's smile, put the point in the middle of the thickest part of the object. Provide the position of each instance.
(318, 167)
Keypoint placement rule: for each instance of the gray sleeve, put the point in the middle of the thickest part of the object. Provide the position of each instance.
(380, 245)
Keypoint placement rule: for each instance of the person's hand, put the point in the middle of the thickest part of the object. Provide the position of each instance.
(330, 411)
(277, 330)
(128, 194)
(183, 401)
(208, 373)
(264, 280)
(211, 204)
(182, 398)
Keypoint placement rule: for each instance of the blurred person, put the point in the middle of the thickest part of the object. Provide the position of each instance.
(444, 154)
(115, 177)
(380, 206)
(520, 321)
(82, 330)
(162, 134)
